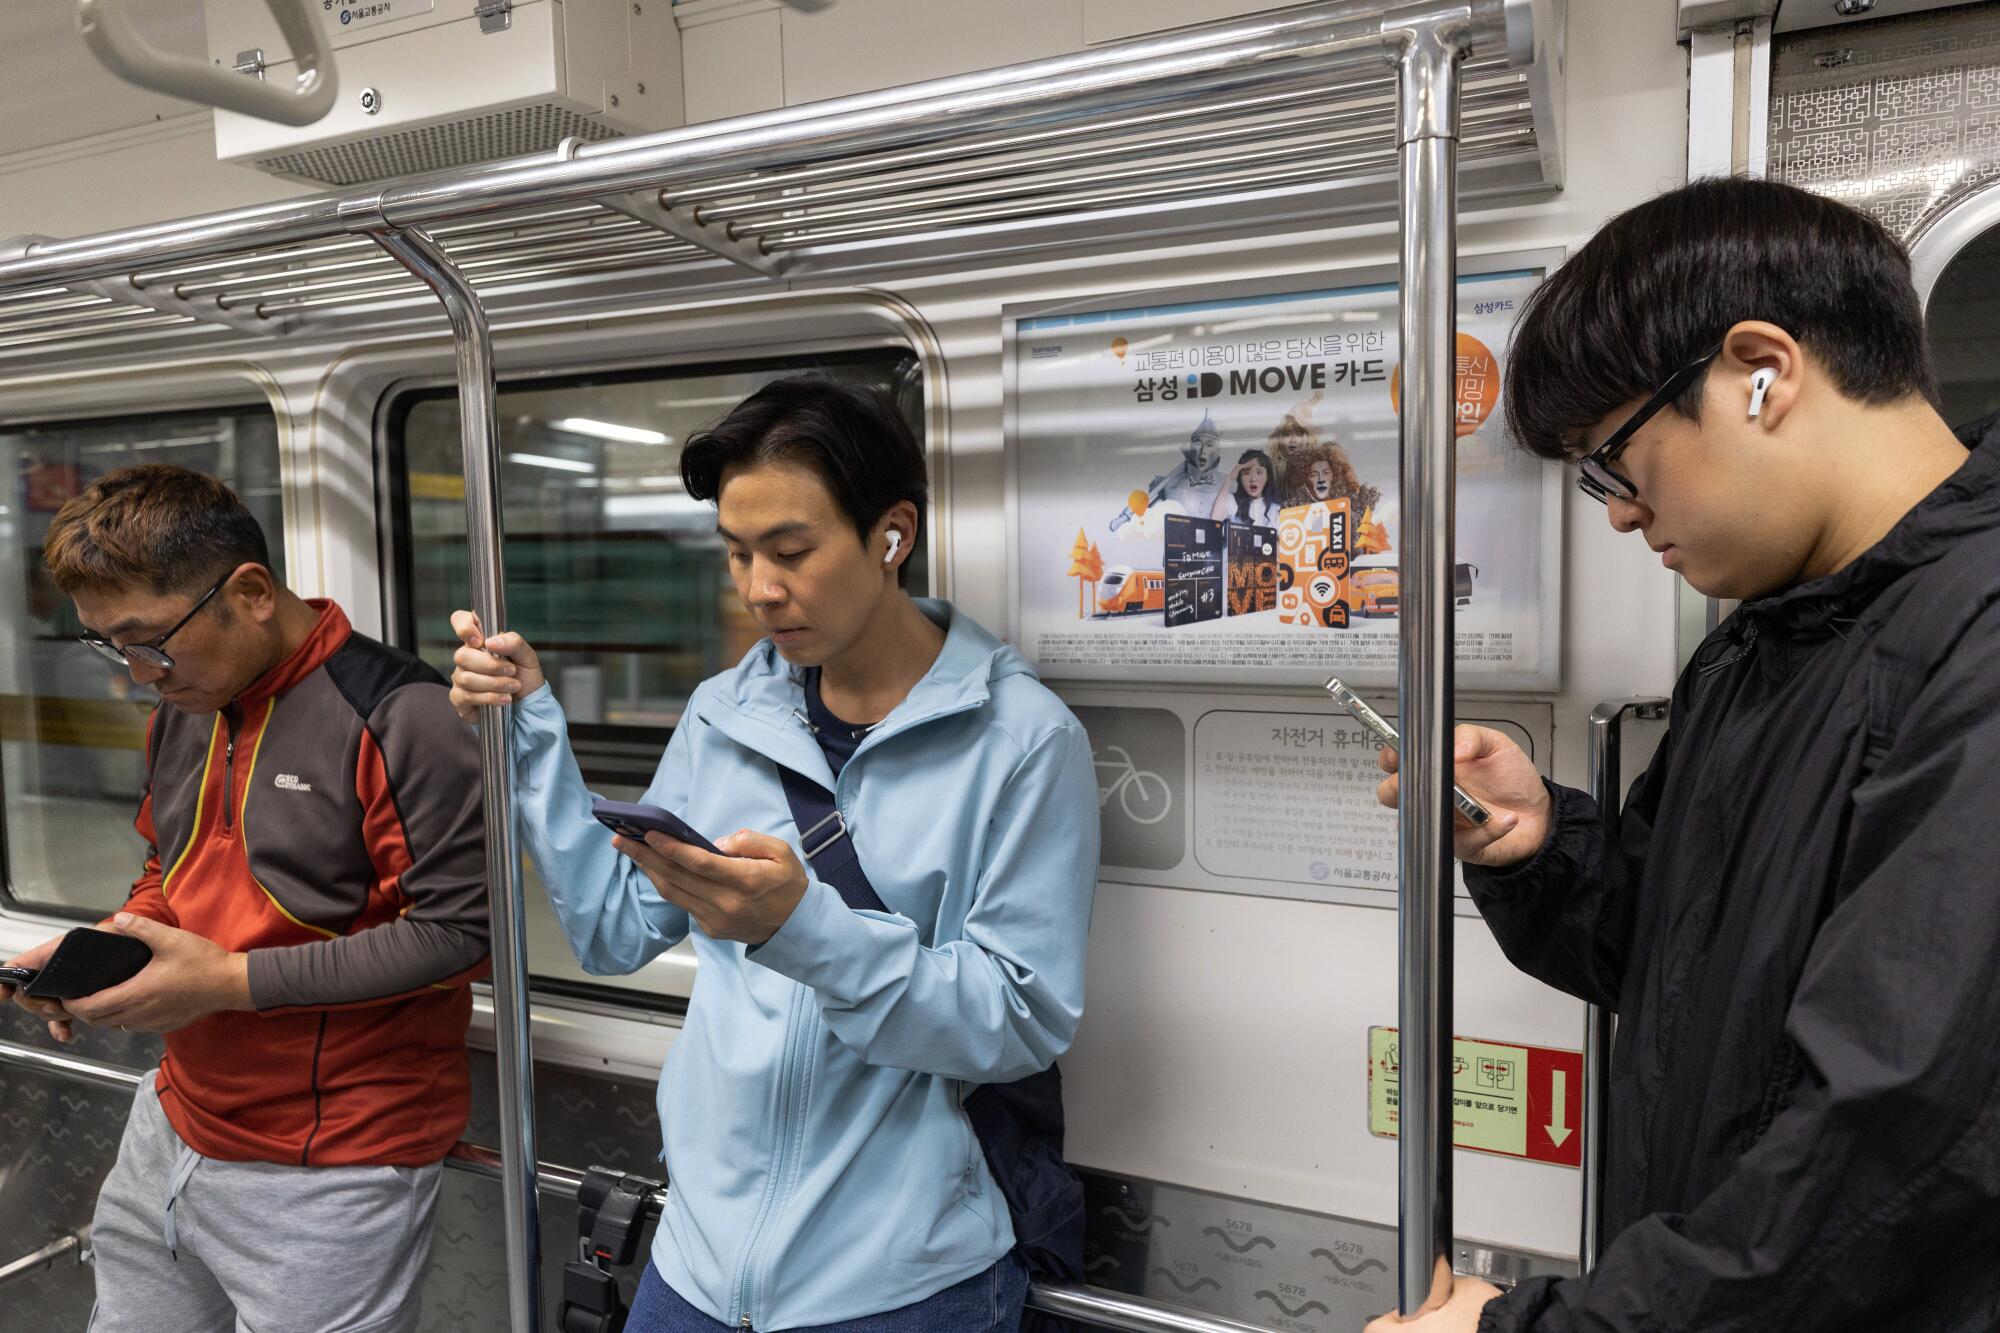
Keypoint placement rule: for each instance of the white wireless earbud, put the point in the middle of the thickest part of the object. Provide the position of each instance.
(895, 545)
(1760, 384)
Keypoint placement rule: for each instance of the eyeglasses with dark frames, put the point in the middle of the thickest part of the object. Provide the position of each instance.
(1596, 475)
(152, 654)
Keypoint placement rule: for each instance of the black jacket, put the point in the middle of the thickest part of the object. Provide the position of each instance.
(1801, 939)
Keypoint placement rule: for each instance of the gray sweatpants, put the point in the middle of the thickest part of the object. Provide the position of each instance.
(187, 1243)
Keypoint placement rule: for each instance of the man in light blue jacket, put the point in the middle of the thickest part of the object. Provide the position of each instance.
(824, 1172)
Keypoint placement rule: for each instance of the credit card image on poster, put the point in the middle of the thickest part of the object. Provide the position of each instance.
(1194, 556)
(1315, 544)
(1194, 547)
(1253, 569)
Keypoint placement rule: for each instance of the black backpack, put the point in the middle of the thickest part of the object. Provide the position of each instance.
(1019, 1124)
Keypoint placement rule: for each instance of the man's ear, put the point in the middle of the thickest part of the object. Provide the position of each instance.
(1755, 353)
(254, 592)
(900, 519)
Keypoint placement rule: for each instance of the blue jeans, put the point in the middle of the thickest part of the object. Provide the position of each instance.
(989, 1302)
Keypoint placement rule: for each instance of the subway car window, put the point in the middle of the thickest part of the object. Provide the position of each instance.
(1965, 337)
(614, 573)
(72, 725)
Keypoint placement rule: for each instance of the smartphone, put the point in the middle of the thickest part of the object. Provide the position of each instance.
(18, 976)
(86, 962)
(636, 821)
(1358, 708)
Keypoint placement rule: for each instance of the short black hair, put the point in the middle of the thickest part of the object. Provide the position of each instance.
(1661, 284)
(851, 435)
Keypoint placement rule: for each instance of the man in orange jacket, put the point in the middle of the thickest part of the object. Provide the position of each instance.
(314, 897)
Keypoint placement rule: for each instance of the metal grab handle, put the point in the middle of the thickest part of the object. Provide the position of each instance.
(73, 1243)
(1607, 724)
(111, 36)
(1133, 1314)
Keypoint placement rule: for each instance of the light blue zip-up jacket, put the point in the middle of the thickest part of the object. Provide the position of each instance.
(821, 1167)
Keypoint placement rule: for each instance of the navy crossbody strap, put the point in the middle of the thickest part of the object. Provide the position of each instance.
(1019, 1125)
(823, 837)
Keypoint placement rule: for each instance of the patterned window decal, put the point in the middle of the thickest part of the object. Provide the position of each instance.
(1898, 117)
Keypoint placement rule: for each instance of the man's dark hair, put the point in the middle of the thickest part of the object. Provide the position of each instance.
(852, 436)
(155, 527)
(1662, 283)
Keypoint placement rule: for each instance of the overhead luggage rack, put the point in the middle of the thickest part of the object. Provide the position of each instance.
(280, 291)
(1246, 125)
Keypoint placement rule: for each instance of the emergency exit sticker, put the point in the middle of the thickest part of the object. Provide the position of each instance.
(1514, 1101)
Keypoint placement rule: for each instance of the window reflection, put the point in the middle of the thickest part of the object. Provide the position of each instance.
(613, 572)
(72, 725)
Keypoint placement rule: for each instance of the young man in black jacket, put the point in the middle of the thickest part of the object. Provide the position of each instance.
(1799, 923)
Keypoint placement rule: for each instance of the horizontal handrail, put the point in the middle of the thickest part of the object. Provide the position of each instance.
(1133, 1314)
(78, 1067)
(1092, 1305)
(72, 1243)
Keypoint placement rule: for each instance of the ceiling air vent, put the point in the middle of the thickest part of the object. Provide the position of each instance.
(456, 143)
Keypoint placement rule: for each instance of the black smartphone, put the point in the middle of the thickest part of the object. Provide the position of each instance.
(18, 976)
(88, 961)
(636, 821)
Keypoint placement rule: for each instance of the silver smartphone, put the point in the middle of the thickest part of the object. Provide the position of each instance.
(1358, 709)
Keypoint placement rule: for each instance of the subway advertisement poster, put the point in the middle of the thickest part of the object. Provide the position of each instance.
(1206, 490)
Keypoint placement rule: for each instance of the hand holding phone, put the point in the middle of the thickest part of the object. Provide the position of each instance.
(636, 821)
(13, 986)
(1358, 709)
(85, 962)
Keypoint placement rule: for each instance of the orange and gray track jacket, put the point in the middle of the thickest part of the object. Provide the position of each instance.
(328, 823)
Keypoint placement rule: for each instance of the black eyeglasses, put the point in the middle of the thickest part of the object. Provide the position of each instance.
(150, 653)
(1596, 476)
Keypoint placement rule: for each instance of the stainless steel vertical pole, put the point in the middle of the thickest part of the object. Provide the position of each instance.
(1601, 775)
(1427, 131)
(474, 344)
(1599, 1024)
